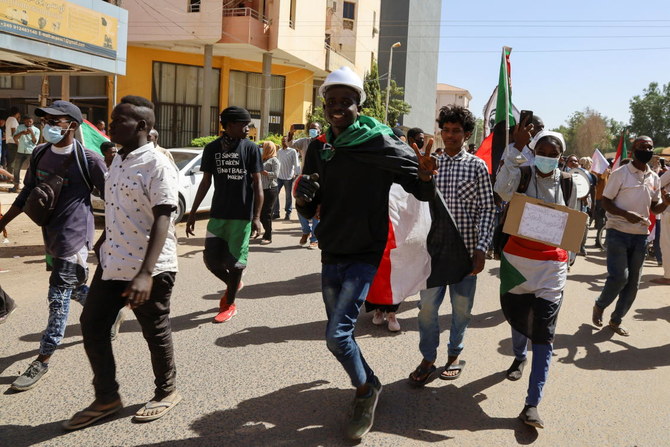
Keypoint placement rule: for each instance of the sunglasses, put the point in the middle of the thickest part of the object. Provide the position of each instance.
(57, 122)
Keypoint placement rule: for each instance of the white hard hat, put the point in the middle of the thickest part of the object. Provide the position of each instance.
(344, 76)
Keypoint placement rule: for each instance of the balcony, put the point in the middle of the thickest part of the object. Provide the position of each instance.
(335, 60)
(245, 26)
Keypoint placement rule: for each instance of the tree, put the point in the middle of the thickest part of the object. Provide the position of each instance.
(316, 115)
(373, 105)
(397, 106)
(588, 130)
(477, 134)
(650, 114)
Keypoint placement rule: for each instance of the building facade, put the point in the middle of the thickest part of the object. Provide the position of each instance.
(194, 58)
(416, 25)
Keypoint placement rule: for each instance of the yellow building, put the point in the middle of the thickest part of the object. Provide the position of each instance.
(269, 56)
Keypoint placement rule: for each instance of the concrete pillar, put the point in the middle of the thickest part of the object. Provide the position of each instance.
(207, 78)
(44, 91)
(65, 86)
(265, 96)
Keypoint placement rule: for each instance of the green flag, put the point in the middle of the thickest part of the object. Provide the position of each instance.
(504, 98)
(92, 137)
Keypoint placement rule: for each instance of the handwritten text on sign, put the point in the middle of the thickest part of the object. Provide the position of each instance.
(543, 224)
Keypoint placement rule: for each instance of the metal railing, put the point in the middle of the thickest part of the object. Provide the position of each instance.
(246, 12)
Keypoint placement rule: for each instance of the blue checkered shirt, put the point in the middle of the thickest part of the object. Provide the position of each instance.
(464, 182)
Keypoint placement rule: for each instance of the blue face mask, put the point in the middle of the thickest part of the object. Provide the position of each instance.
(313, 133)
(545, 164)
(53, 134)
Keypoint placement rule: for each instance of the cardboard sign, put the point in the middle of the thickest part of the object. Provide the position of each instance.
(551, 224)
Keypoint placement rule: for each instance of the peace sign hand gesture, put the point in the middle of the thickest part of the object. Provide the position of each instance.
(427, 163)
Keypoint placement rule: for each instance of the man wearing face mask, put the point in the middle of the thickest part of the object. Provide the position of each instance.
(416, 136)
(632, 191)
(68, 236)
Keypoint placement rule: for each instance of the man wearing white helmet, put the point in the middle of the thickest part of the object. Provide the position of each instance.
(348, 172)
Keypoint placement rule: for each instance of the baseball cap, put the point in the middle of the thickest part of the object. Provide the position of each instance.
(61, 108)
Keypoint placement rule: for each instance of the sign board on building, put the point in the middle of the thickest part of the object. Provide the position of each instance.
(61, 23)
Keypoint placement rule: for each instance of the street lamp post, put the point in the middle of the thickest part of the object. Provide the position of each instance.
(388, 82)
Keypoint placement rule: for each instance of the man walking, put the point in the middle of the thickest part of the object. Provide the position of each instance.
(289, 168)
(26, 137)
(463, 180)
(138, 265)
(11, 124)
(68, 235)
(632, 191)
(234, 163)
(348, 173)
(308, 226)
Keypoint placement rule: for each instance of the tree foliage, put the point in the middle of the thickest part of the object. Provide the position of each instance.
(374, 104)
(650, 113)
(587, 130)
(316, 115)
(397, 106)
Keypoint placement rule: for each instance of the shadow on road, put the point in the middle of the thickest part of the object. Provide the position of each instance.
(300, 285)
(322, 412)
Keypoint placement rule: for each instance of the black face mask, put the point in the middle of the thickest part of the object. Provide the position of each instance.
(419, 144)
(643, 156)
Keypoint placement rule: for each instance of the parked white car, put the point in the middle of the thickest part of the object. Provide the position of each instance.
(188, 162)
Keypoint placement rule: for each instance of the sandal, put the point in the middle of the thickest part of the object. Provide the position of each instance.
(421, 375)
(458, 367)
(597, 316)
(515, 372)
(164, 405)
(619, 329)
(88, 416)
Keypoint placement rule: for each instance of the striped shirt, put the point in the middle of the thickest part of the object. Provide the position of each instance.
(464, 182)
(289, 164)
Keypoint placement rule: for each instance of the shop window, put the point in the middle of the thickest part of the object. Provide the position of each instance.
(193, 5)
(11, 82)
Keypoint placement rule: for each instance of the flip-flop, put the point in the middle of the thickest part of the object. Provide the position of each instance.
(515, 372)
(458, 367)
(86, 417)
(165, 406)
(426, 373)
(619, 329)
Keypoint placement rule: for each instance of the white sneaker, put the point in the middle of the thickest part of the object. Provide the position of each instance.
(378, 317)
(394, 326)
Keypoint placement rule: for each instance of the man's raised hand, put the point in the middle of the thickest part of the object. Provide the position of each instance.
(427, 163)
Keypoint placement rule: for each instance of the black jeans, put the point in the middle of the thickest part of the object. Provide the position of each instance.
(6, 303)
(102, 306)
(269, 199)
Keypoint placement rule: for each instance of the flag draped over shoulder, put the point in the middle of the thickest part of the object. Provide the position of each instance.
(92, 137)
(621, 151)
(424, 249)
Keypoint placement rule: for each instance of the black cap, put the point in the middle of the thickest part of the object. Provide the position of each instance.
(234, 113)
(61, 108)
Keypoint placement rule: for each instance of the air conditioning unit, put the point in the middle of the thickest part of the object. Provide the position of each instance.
(332, 5)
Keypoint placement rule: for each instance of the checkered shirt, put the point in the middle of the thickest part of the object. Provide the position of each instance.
(464, 182)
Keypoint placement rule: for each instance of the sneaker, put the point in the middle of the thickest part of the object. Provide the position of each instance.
(223, 302)
(393, 324)
(313, 245)
(303, 239)
(363, 412)
(29, 379)
(116, 327)
(378, 317)
(226, 313)
(530, 416)
(266, 242)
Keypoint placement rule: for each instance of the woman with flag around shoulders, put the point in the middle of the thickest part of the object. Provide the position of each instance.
(533, 274)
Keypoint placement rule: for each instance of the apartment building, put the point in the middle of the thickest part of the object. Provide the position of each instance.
(196, 57)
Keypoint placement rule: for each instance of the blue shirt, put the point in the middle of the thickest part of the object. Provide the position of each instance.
(25, 142)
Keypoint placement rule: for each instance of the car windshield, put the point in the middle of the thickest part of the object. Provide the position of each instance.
(181, 159)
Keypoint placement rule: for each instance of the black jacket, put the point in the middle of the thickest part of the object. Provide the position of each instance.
(354, 193)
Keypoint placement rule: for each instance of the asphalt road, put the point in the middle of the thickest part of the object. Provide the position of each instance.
(266, 378)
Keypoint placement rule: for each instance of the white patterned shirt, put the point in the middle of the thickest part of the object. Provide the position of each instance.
(135, 185)
(465, 185)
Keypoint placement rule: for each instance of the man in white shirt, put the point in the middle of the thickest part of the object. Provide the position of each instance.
(11, 124)
(138, 265)
(664, 243)
(632, 191)
(289, 169)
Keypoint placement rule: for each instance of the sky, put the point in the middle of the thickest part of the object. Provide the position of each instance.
(566, 55)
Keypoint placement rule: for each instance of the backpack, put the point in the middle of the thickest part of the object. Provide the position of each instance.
(499, 237)
(42, 200)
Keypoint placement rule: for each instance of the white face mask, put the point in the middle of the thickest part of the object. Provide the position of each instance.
(55, 134)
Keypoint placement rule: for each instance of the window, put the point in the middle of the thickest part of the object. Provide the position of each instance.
(291, 20)
(193, 5)
(375, 30)
(11, 82)
(348, 10)
(245, 90)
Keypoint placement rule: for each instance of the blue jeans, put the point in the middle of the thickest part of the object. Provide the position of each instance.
(67, 282)
(539, 367)
(344, 288)
(308, 226)
(625, 256)
(462, 296)
(288, 186)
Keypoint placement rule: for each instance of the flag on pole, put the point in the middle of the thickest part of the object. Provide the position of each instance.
(91, 137)
(621, 151)
(484, 152)
(504, 111)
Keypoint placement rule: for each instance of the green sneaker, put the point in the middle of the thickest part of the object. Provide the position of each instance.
(36, 371)
(363, 412)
